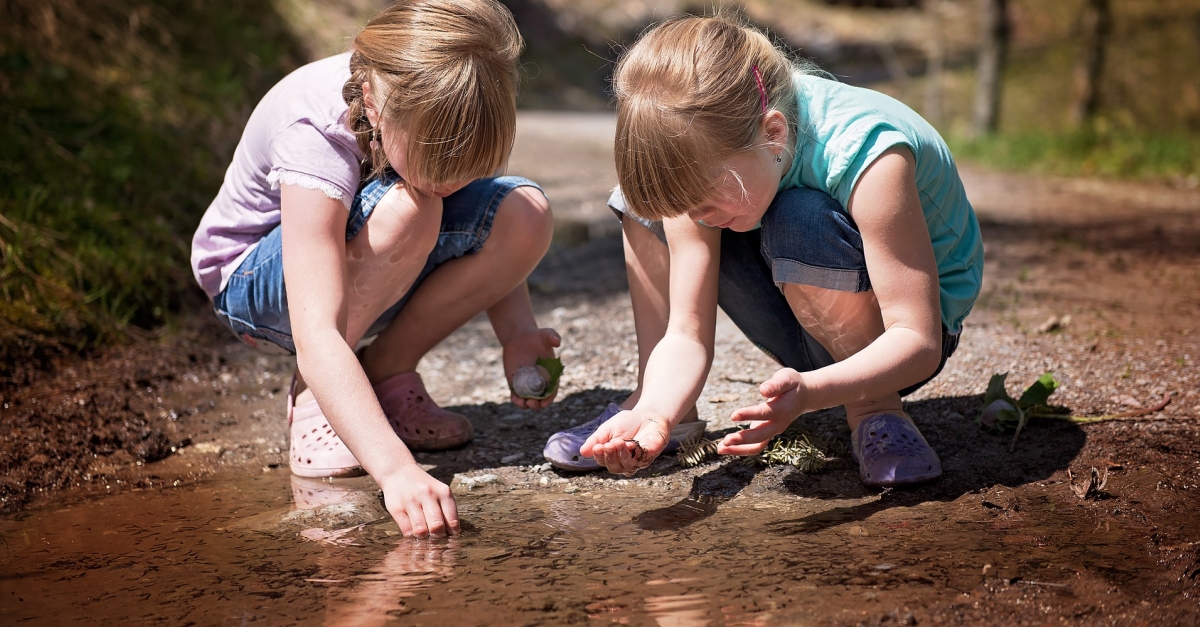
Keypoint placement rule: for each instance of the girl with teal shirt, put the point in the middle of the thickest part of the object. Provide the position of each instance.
(828, 221)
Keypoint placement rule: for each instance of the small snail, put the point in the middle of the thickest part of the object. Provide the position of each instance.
(990, 417)
(530, 382)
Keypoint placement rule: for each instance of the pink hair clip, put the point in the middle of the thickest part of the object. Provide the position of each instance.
(762, 90)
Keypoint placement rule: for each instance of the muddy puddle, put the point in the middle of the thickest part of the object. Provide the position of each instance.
(276, 549)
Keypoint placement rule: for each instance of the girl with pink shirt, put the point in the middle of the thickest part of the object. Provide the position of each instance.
(362, 202)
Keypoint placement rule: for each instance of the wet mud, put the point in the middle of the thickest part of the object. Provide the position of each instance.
(237, 551)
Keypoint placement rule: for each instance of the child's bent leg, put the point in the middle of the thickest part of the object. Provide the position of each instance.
(461, 288)
(844, 323)
(823, 278)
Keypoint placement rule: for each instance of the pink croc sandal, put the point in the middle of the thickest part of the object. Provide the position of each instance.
(419, 422)
(316, 451)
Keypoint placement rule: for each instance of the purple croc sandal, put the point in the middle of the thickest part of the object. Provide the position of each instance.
(562, 449)
(892, 452)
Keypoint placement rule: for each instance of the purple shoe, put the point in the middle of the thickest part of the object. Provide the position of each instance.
(562, 449)
(892, 452)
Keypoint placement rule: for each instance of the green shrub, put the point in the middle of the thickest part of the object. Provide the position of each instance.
(117, 120)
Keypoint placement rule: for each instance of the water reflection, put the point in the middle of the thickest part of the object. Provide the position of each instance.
(373, 595)
(679, 610)
(333, 555)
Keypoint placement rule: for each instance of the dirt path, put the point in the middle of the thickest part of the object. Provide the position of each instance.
(1116, 265)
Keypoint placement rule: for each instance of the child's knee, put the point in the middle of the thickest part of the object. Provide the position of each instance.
(406, 224)
(526, 211)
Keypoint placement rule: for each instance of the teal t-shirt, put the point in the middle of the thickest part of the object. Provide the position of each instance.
(843, 129)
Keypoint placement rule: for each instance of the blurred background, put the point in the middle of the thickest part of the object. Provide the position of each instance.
(118, 117)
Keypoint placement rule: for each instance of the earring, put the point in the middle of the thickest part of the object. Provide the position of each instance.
(778, 158)
(374, 139)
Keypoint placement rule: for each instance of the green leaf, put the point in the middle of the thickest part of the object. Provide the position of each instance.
(554, 368)
(553, 365)
(1038, 393)
(996, 392)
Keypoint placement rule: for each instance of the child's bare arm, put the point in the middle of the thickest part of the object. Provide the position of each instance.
(887, 209)
(679, 363)
(314, 267)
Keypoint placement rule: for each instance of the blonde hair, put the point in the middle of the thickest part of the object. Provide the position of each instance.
(445, 72)
(688, 97)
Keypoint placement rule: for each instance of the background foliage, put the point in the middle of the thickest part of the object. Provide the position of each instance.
(117, 119)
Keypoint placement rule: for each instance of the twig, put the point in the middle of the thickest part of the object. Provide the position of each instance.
(1128, 415)
(1042, 583)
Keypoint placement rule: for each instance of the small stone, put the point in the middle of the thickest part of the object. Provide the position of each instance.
(471, 483)
(208, 447)
(1054, 323)
(571, 489)
(544, 481)
(510, 459)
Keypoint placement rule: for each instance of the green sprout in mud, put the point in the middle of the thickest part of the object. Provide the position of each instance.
(1001, 414)
(692, 454)
(803, 451)
(800, 452)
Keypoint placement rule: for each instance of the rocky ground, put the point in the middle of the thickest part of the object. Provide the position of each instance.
(1097, 282)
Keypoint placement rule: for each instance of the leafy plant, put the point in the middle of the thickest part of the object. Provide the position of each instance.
(795, 447)
(1001, 414)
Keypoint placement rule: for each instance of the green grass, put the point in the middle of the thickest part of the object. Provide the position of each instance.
(115, 129)
(1125, 154)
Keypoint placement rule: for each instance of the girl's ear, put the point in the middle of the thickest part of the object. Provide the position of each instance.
(775, 129)
(369, 105)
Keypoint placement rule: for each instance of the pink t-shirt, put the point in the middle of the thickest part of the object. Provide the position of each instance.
(297, 135)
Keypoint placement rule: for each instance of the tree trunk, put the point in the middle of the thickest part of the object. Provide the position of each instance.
(1097, 23)
(935, 58)
(992, 52)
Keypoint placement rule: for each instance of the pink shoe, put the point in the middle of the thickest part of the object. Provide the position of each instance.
(419, 422)
(316, 451)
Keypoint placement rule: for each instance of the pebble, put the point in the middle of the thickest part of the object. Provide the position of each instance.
(509, 459)
(471, 482)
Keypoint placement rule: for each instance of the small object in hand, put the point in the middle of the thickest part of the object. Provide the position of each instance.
(530, 381)
(539, 381)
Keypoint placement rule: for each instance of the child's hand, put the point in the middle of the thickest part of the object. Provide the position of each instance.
(628, 442)
(523, 350)
(421, 505)
(784, 392)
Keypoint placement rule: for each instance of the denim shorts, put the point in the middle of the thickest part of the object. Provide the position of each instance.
(254, 302)
(806, 238)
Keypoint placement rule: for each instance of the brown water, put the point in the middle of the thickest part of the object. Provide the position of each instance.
(238, 552)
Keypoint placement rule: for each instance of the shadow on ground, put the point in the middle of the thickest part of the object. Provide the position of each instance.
(972, 461)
